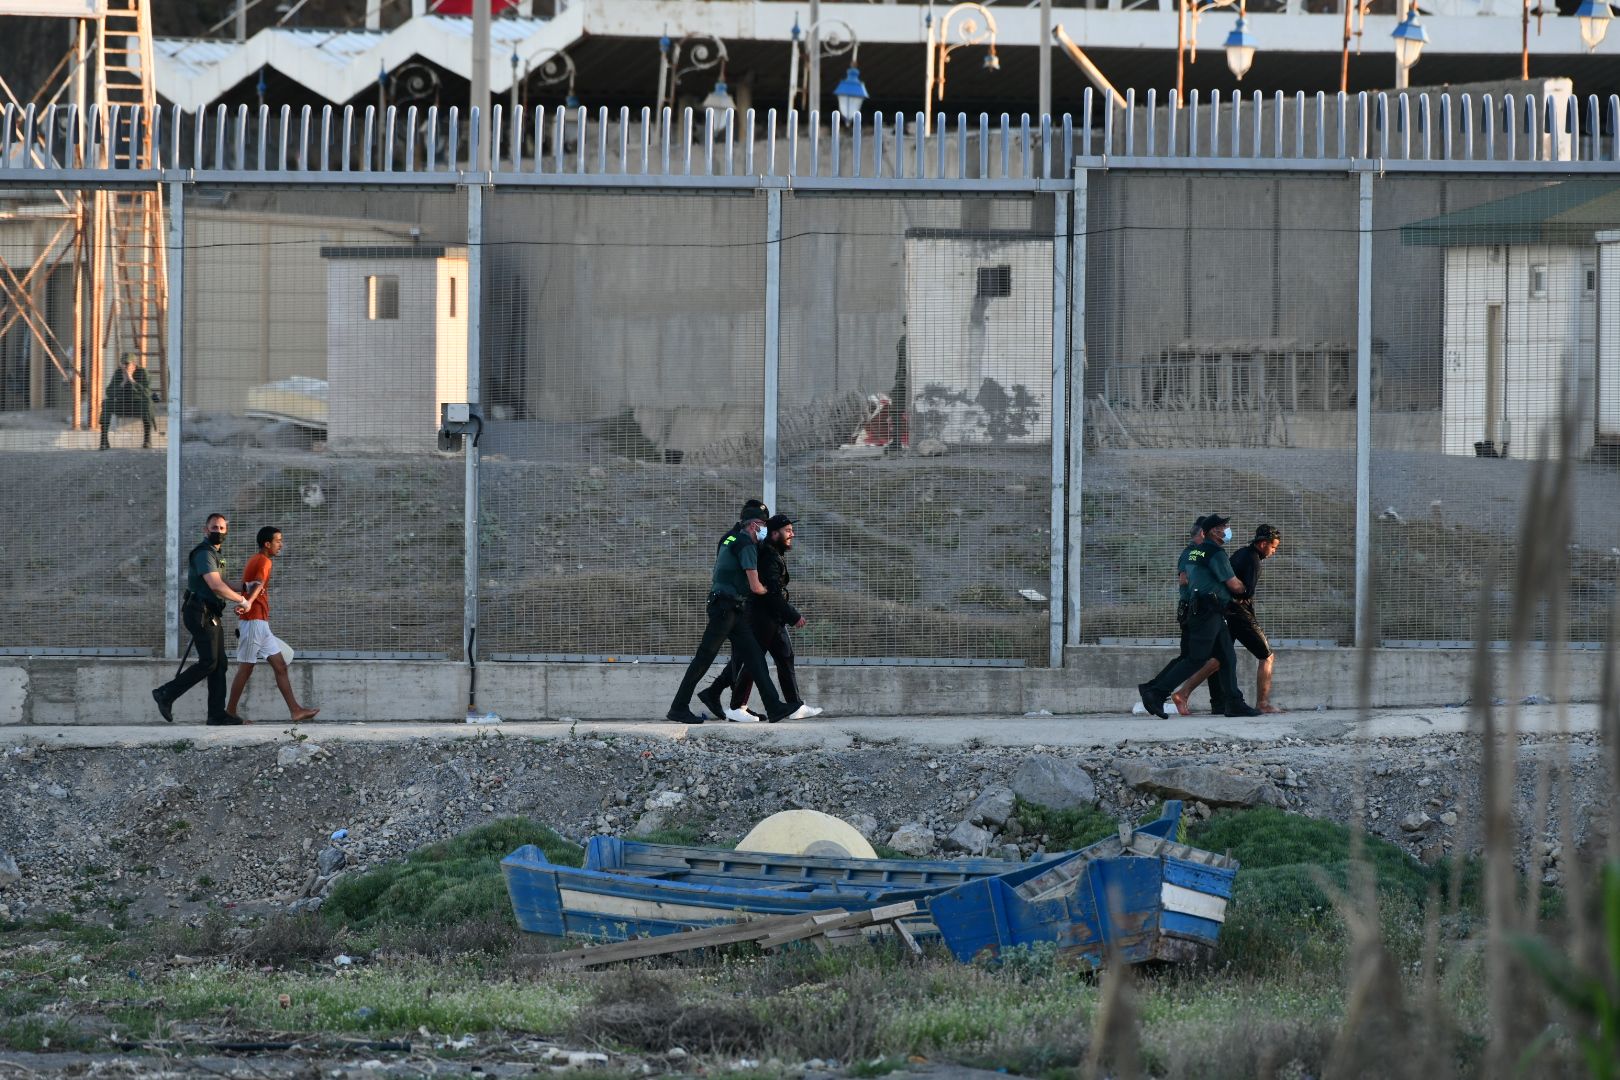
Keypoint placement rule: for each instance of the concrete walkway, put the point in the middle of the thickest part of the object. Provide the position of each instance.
(1024, 731)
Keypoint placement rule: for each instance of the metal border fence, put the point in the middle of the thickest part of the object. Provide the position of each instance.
(1366, 136)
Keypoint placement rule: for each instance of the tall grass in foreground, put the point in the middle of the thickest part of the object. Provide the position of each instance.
(1552, 987)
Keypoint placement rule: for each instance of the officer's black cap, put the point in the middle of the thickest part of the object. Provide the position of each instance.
(779, 521)
(1268, 532)
(1202, 523)
(1215, 521)
(754, 510)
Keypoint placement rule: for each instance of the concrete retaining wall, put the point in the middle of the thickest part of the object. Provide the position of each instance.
(98, 690)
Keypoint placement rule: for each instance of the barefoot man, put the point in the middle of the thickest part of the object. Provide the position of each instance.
(258, 643)
(1240, 619)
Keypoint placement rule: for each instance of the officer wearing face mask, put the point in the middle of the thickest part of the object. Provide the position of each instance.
(201, 610)
(735, 579)
(1211, 584)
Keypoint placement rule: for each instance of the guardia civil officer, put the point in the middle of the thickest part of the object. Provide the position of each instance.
(201, 610)
(1211, 584)
(735, 579)
(1241, 620)
(771, 616)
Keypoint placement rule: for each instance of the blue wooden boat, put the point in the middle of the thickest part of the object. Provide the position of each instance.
(628, 889)
(1139, 896)
(1142, 893)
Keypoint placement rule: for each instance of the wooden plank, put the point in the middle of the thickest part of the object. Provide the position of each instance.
(666, 944)
(827, 922)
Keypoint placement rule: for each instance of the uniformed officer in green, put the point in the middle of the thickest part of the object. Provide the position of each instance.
(1210, 587)
(735, 579)
(201, 610)
(128, 393)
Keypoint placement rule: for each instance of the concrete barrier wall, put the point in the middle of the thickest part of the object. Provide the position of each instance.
(98, 690)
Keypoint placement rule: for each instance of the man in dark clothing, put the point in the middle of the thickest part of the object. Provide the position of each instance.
(1183, 612)
(770, 616)
(1211, 585)
(128, 394)
(736, 577)
(1241, 621)
(201, 610)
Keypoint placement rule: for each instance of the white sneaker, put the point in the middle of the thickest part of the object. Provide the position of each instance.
(803, 712)
(1139, 709)
(740, 716)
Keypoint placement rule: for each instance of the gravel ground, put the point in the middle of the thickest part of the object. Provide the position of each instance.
(163, 830)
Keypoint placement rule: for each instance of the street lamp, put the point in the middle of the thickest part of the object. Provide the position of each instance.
(969, 31)
(839, 39)
(558, 67)
(1594, 16)
(1240, 44)
(1188, 13)
(1410, 38)
(694, 52)
(851, 95)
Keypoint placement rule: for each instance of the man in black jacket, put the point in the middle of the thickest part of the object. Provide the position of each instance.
(770, 615)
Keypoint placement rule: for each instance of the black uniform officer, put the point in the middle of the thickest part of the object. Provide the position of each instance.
(770, 616)
(1211, 584)
(736, 577)
(201, 610)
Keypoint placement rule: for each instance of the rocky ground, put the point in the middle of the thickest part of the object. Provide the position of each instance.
(157, 831)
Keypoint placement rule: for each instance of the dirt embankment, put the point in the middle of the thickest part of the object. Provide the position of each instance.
(157, 829)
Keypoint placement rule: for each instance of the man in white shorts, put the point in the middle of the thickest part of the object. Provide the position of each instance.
(259, 645)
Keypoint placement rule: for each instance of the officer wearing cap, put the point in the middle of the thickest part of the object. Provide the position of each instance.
(735, 578)
(771, 616)
(1211, 584)
(1240, 617)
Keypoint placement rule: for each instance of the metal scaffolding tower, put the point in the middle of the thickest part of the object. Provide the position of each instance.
(111, 243)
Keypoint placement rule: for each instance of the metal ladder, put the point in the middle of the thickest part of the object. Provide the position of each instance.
(133, 218)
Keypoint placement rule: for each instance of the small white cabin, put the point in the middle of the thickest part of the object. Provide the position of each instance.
(979, 335)
(396, 343)
(1532, 296)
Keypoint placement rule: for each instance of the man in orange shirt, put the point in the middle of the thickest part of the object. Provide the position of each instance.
(258, 643)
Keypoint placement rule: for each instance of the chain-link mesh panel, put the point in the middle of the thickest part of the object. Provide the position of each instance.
(916, 426)
(624, 382)
(83, 537)
(1220, 325)
(318, 350)
(1495, 306)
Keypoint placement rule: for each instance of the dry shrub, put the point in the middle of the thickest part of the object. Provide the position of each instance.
(1256, 1048)
(638, 1010)
(287, 940)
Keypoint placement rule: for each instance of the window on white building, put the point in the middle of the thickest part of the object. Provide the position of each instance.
(995, 281)
(382, 296)
(1538, 281)
(1590, 274)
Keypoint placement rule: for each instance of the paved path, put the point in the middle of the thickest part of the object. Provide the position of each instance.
(1081, 731)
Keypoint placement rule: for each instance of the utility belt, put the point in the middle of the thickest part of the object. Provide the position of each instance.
(727, 598)
(213, 605)
(1205, 604)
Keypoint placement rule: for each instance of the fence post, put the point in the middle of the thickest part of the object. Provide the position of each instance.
(475, 352)
(176, 403)
(1364, 271)
(1076, 402)
(1060, 403)
(773, 334)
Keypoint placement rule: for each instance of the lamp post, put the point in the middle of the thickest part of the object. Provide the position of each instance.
(1594, 17)
(1410, 37)
(694, 52)
(838, 39)
(1240, 44)
(558, 67)
(969, 31)
(1187, 15)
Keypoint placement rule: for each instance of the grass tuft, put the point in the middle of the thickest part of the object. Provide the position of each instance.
(456, 881)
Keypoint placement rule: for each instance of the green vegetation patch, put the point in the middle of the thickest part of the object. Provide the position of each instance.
(456, 881)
